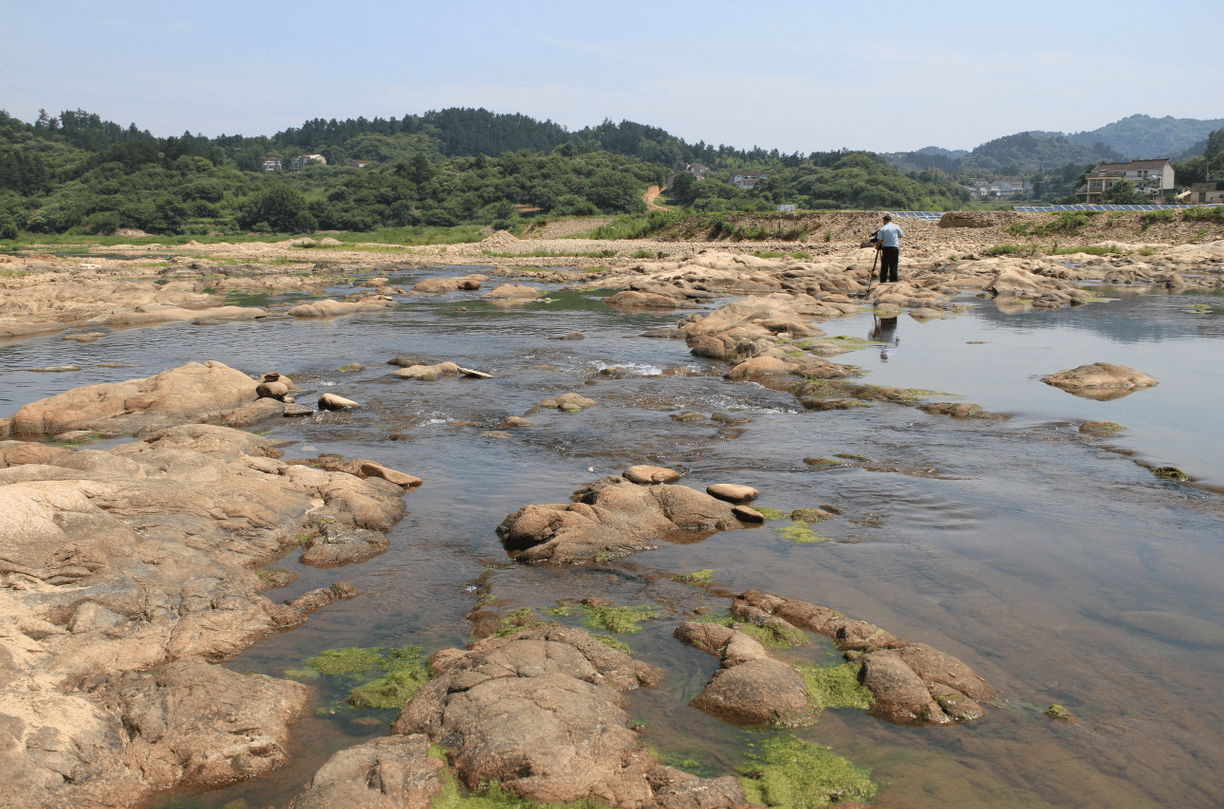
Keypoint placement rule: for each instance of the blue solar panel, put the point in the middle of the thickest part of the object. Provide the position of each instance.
(1057, 208)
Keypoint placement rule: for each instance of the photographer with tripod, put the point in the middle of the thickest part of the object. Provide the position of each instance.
(888, 242)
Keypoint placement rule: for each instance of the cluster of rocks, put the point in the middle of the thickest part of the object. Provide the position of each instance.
(910, 683)
(541, 712)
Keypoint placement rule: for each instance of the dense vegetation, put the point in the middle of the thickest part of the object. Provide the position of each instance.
(79, 174)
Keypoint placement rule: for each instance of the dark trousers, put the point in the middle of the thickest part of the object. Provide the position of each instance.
(889, 258)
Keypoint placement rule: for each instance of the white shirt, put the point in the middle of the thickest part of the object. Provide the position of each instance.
(890, 235)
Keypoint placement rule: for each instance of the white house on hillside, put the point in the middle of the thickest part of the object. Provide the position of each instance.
(1151, 178)
(298, 163)
(748, 179)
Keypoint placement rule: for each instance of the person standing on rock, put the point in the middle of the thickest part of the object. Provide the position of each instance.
(889, 244)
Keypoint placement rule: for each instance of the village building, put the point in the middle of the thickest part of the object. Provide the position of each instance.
(698, 170)
(1151, 178)
(1204, 193)
(301, 161)
(747, 180)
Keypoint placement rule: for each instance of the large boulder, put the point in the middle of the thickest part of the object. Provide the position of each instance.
(189, 392)
(195, 725)
(612, 517)
(751, 689)
(541, 713)
(437, 285)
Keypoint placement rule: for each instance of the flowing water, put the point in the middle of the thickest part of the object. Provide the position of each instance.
(1054, 563)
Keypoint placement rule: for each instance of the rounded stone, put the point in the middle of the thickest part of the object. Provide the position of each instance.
(732, 492)
(647, 475)
(330, 401)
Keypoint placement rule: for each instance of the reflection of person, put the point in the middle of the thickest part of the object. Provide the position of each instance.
(885, 332)
(890, 249)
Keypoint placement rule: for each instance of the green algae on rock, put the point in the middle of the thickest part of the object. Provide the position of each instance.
(799, 532)
(791, 774)
(698, 578)
(617, 620)
(356, 670)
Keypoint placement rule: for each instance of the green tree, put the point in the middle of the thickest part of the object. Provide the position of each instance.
(1122, 193)
(682, 188)
(281, 208)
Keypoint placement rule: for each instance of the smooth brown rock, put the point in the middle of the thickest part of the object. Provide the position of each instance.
(732, 492)
(647, 475)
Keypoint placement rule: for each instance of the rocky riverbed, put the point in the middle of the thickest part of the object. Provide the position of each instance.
(127, 570)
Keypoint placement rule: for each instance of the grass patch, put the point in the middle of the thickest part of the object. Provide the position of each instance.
(835, 686)
(1149, 218)
(1215, 214)
(1005, 250)
(1092, 250)
(636, 226)
(787, 773)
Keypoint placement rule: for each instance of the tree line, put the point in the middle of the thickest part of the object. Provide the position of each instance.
(78, 173)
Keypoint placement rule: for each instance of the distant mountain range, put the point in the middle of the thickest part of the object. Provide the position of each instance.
(1138, 137)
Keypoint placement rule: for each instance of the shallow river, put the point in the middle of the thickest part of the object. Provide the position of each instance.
(1057, 565)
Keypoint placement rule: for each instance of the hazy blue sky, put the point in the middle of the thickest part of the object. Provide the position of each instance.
(795, 75)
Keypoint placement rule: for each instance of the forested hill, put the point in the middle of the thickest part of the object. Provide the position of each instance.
(1142, 136)
(78, 173)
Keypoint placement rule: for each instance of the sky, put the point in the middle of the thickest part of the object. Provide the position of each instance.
(792, 75)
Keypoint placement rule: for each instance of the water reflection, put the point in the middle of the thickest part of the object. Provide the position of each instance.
(884, 332)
